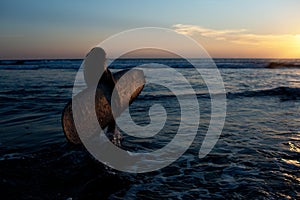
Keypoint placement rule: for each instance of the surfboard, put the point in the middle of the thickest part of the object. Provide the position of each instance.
(131, 85)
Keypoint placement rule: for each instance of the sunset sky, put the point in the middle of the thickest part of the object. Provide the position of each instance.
(69, 29)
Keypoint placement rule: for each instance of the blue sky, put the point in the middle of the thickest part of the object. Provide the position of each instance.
(68, 29)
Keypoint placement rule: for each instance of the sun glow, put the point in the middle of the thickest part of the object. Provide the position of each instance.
(298, 41)
(243, 42)
(296, 46)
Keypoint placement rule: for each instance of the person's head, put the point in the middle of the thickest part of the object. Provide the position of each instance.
(94, 66)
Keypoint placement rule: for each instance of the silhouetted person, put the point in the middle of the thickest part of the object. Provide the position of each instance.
(100, 85)
(94, 66)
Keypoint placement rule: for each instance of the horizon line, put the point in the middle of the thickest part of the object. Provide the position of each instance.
(32, 59)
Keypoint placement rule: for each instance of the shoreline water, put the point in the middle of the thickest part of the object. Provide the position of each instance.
(257, 155)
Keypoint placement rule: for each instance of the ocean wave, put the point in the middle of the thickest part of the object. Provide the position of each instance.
(37, 67)
(285, 93)
(158, 97)
(40, 64)
(74, 64)
(276, 65)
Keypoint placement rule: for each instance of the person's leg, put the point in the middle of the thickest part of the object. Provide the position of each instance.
(113, 134)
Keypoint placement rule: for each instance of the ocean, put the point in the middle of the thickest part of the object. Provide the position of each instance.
(256, 157)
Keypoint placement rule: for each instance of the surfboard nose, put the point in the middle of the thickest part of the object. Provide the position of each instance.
(129, 84)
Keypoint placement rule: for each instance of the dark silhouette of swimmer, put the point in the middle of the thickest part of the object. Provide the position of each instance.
(94, 66)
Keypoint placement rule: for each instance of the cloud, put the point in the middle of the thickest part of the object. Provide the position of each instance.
(193, 29)
(239, 36)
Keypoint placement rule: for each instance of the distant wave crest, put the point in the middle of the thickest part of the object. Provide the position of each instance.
(285, 93)
(74, 64)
